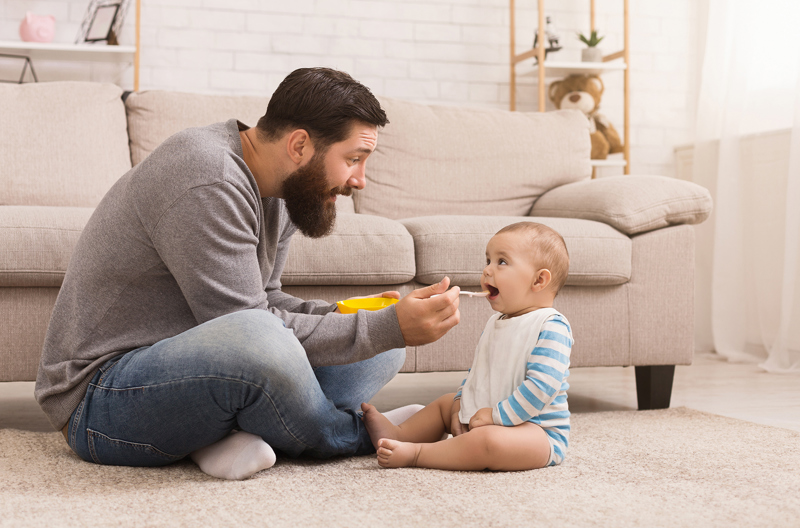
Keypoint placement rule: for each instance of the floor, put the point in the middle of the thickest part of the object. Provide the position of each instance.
(710, 384)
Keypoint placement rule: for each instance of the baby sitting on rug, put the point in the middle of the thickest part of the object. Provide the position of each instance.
(510, 412)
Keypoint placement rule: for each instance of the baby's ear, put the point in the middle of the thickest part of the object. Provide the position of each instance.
(541, 280)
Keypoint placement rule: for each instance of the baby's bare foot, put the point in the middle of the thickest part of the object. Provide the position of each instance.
(378, 426)
(395, 454)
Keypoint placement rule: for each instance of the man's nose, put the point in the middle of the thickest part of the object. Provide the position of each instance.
(359, 179)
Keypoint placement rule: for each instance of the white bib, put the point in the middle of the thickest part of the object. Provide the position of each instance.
(501, 360)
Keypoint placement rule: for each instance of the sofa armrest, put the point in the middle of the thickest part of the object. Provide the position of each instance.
(630, 204)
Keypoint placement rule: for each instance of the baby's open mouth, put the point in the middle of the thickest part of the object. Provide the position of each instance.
(493, 292)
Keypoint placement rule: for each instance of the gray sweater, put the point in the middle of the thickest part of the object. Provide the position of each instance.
(182, 238)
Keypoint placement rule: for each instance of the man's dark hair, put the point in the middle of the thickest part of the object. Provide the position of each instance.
(323, 102)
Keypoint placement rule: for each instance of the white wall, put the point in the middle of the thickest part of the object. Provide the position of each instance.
(436, 51)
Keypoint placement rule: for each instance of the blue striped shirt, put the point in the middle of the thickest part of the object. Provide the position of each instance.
(542, 397)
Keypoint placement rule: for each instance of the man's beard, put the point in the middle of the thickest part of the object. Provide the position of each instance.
(307, 197)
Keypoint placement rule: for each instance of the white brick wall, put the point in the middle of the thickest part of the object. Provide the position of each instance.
(434, 51)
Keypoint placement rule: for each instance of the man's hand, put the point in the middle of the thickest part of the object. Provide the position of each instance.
(456, 428)
(422, 319)
(390, 294)
(481, 418)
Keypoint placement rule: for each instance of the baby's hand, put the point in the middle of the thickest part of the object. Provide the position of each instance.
(481, 418)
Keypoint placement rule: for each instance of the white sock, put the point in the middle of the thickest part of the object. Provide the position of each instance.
(401, 414)
(235, 457)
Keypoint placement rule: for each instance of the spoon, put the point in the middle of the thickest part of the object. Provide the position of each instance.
(483, 293)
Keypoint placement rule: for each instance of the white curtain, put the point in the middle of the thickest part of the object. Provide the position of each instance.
(748, 149)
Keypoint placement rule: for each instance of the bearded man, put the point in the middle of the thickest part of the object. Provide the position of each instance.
(171, 330)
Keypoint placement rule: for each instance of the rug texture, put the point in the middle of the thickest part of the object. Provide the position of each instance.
(673, 467)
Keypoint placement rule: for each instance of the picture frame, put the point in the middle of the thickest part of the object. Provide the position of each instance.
(103, 21)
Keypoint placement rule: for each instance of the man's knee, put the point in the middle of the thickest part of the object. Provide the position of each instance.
(258, 340)
(251, 320)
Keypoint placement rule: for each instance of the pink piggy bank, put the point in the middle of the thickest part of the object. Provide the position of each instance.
(35, 28)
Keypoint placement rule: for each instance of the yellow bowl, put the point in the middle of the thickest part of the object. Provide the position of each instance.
(370, 303)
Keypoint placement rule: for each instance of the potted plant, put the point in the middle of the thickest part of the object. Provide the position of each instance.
(592, 53)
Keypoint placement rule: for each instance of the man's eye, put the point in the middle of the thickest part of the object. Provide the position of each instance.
(353, 161)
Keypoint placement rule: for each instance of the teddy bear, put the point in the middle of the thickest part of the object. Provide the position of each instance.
(583, 92)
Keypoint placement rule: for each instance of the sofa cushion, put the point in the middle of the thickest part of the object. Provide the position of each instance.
(38, 242)
(61, 143)
(153, 116)
(470, 161)
(456, 246)
(362, 249)
(632, 204)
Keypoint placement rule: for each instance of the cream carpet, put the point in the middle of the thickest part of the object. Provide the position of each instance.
(674, 467)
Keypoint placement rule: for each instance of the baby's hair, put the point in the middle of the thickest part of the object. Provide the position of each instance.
(549, 249)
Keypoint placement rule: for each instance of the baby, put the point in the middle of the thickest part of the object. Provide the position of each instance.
(510, 412)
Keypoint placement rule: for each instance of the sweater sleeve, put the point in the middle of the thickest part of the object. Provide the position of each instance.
(208, 241)
(547, 370)
(329, 338)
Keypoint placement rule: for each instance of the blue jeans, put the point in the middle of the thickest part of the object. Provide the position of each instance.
(245, 370)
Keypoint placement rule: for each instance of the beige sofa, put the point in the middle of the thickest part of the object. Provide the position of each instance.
(442, 181)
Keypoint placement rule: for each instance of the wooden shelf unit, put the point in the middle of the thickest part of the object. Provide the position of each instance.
(80, 52)
(561, 68)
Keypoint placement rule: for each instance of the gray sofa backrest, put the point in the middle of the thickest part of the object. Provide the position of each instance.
(61, 143)
(78, 138)
(448, 160)
(155, 115)
(429, 160)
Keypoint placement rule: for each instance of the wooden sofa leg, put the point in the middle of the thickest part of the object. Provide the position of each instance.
(654, 386)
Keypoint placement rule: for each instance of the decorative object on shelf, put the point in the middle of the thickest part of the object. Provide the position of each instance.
(591, 53)
(583, 92)
(552, 38)
(103, 21)
(117, 27)
(37, 28)
(26, 63)
(102, 24)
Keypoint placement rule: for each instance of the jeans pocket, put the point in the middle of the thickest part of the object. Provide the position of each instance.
(115, 452)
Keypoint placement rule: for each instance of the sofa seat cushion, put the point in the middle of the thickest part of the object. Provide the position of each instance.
(62, 143)
(362, 249)
(38, 242)
(433, 160)
(456, 246)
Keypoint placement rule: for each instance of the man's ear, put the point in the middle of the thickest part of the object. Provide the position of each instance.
(298, 146)
(541, 280)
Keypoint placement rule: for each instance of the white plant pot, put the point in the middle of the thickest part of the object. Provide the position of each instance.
(592, 55)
